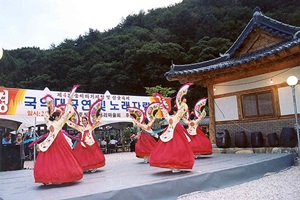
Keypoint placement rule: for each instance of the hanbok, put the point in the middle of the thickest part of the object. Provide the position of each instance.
(145, 138)
(200, 143)
(87, 150)
(56, 163)
(173, 150)
(145, 144)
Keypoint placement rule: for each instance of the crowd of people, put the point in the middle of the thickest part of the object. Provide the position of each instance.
(64, 158)
(16, 141)
(22, 140)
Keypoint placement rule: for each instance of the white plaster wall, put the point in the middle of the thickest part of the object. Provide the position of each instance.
(263, 80)
(226, 108)
(286, 99)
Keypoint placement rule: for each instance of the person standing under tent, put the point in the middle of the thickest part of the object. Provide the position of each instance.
(6, 138)
(173, 150)
(56, 163)
(87, 150)
(28, 137)
(112, 145)
(19, 141)
(132, 142)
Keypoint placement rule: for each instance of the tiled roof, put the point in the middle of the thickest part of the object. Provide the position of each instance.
(291, 34)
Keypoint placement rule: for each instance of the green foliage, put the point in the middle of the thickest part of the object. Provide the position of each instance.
(208, 48)
(128, 130)
(137, 53)
(165, 92)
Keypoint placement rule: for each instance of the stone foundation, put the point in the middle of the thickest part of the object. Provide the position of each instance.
(265, 127)
(256, 150)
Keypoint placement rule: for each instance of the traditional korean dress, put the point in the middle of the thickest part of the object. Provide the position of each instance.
(144, 145)
(173, 150)
(145, 142)
(56, 163)
(87, 151)
(200, 143)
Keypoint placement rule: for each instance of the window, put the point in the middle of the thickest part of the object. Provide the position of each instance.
(257, 104)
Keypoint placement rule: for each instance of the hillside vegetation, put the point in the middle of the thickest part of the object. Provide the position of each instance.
(136, 53)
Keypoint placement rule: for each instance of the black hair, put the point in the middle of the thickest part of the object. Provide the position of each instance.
(173, 110)
(203, 108)
(183, 97)
(192, 116)
(6, 134)
(55, 114)
(98, 113)
(85, 117)
(146, 121)
(133, 116)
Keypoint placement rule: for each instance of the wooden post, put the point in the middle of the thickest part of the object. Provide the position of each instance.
(212, 121)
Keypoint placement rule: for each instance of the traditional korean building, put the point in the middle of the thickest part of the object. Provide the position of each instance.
(247, 89)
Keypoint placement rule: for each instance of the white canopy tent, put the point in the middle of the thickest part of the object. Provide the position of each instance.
(111, 121)
(26, 121)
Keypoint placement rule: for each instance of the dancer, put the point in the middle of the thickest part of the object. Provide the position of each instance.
(173, 150)
(56, 163)
(145, 138)
(19, 141)
(200, 143)
(87, 150)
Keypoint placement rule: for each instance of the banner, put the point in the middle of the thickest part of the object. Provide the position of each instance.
(24, 102)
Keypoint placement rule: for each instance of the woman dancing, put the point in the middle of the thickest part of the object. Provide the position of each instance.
(200, 143)
(88, 151)
(145, 138)
(56, 163)
(173, 150)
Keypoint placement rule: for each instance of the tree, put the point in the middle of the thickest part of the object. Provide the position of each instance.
(164, 91)
(139, 51)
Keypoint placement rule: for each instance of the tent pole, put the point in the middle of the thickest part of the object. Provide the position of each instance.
(34, 148)
(1, 149)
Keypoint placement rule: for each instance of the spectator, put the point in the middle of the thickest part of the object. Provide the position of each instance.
(103, 145)
(19, 141)
(29, 134)
(103, 142)
(133, 140)
(113, 141)
(6, 138)
(112, 145)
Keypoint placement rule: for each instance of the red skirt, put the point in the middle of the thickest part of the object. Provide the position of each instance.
(175, 154)
(200, 144)
(58, 164)
(144, 145)
(89, 157)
